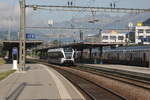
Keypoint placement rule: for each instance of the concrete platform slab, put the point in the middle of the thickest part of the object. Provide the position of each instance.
(5, 67)
(38, 83)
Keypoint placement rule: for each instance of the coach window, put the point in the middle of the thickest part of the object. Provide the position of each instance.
(148, 38)
(60, 55)
(55, 55)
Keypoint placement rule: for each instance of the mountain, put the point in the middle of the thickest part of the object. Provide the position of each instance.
(123, 21)
(105, 21)
(147, 22)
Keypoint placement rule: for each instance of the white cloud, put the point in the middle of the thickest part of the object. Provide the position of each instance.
(10, 14)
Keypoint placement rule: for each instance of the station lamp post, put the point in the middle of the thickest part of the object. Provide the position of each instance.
(50, 23)
(100, 35)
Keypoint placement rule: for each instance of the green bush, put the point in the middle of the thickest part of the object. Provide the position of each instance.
(2, 61)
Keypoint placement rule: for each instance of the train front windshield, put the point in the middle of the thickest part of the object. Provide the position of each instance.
(68, 49)
(68, 52)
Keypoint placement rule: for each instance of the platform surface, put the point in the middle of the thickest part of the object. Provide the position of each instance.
(38, 83)
(123, 67)
(5, 67)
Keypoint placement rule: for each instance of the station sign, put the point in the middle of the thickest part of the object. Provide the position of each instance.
(30, 36)
(14, 51)
(139, 24)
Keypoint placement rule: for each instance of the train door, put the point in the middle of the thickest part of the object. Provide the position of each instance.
(144, 57)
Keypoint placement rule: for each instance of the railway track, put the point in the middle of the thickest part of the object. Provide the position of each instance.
(141, 87)
(142, 81)
(133, 79)
(91, 90)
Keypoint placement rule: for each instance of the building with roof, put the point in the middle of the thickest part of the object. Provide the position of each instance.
(118, 37)
(108, 37)
(142, 34)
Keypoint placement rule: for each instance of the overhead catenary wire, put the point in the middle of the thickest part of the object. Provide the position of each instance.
(82, 12)
(85, 8)
(76, 28)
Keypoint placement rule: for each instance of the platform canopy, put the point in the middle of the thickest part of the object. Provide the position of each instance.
(85, 45)
(80, 45)
(9, 44)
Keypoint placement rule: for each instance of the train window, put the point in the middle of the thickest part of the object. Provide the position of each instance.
(56, 55)
(148, 38)
(68, 54)
(67, 49)
(60, 55)
(120, 37)
(95, 54)
(140, 31)
(105, 37)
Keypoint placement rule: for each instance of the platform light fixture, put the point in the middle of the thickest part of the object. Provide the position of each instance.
(50, 23)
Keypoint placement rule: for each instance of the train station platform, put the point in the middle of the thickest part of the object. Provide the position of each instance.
(39, 82)
(123, 68)
(5, 67)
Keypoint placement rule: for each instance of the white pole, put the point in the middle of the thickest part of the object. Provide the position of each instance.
(15, 63)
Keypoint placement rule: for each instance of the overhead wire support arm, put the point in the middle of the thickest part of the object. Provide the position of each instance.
(64, 28)
(67, 28)
(88, 9)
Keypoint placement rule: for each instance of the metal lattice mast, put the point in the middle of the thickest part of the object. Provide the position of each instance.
(22, 36)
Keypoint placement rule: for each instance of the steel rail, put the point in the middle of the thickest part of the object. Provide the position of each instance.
(61, 70)
(143, 78)
(127, 80)
(111, 75)
(114, 76)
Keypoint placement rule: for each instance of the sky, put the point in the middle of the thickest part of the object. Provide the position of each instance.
(9, 10)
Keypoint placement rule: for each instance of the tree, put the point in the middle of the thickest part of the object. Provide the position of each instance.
(55, 42)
